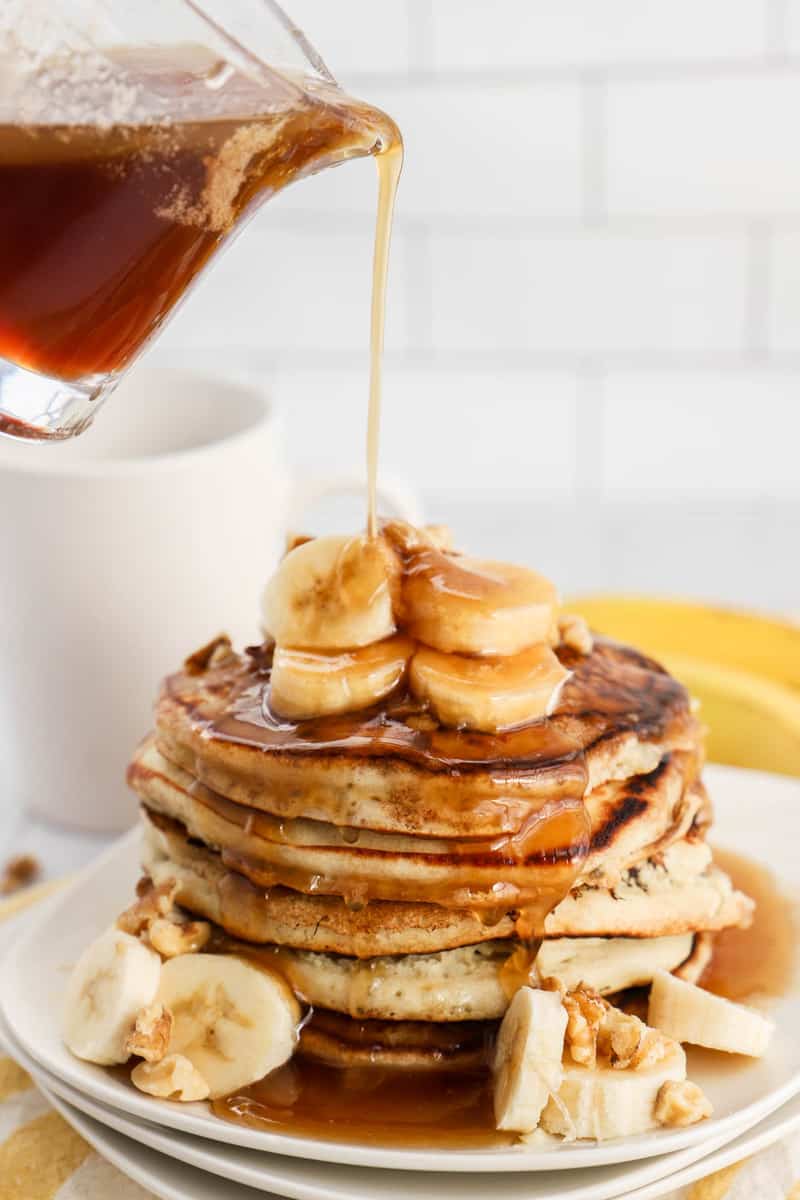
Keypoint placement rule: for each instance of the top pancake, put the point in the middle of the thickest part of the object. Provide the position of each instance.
(392, 768)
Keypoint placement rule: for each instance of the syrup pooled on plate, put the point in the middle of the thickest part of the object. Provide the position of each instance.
(760, 962)
(371, 1105)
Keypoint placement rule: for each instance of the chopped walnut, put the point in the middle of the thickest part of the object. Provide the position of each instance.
(150, 1035)
(575, 633)
(18, 873)
(171, 938)
(682, 1103)
(585, 1013)
(597, 1030)
(216, 653)
(173, 1078)
(154, 903)
(630, 1044)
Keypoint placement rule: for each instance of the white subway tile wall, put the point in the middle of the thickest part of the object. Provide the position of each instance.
(596, 267)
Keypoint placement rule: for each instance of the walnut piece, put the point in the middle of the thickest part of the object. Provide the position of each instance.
(173, 1078)
(682, 1103)
(216, 653)
(150, 1035)
(171, 938)
(575, 633)
(585, 1013)
(597, 1030)
(630, 1044)
(18, 873)
(153, 903)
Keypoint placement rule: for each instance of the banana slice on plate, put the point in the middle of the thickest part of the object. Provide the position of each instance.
(311, 683)
(332, 593)
(234, 1022)
(488, 694)
(604, 1102)
(690, 1014)
(527, 1061)
(463, 605)
(113, 980)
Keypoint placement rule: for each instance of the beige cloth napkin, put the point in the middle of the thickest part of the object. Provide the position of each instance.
(42, 1158)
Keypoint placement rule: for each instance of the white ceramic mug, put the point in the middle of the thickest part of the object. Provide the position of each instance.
(122, 552)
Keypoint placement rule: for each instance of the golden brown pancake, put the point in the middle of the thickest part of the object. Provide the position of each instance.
(392, 769)
(342, 1041)
(630, 821)
(678, 893)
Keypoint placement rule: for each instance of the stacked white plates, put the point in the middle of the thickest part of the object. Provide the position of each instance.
(182, 1152)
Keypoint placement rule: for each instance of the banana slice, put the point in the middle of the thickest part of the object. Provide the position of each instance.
(234, 1022)
(310, 683)
(464, 605)
(488, 694)
(604, 1102)
(527, 1062)
(332, 593)
(690, 1014)
(114, 979)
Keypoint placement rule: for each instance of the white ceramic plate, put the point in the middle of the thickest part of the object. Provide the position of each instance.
(757, 814)
(171, 1180)
(301, 1180)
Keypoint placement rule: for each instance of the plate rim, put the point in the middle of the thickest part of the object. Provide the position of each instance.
(721, 1157)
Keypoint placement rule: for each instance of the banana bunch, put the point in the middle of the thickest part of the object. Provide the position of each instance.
(352, 617)
(743, 668)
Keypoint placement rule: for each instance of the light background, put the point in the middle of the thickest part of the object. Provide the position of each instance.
(594, 314)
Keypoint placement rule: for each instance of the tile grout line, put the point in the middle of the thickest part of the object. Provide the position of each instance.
(420, 37)
(590, 411)
(776, 32)
(418, 290)
(757, 292)
(594, 156)
(640, 71)
(781, 362)
(504, 226)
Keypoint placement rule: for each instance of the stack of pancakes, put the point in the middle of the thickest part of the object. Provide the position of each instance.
(396, 871)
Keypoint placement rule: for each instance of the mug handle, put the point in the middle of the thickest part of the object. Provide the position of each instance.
(394, 493)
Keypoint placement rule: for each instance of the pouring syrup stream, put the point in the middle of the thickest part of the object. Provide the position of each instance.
(389, 162)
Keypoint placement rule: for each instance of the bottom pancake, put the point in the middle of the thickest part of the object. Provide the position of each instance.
(340, 1041)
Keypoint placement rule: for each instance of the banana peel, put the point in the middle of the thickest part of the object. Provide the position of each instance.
(762, 645)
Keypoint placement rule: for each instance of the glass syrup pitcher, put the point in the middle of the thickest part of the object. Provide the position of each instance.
(135, 140)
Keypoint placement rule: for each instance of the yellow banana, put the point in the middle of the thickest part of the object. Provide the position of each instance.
(752, 721)
(731, 637)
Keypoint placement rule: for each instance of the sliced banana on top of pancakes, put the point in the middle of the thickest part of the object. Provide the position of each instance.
(478, 638)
